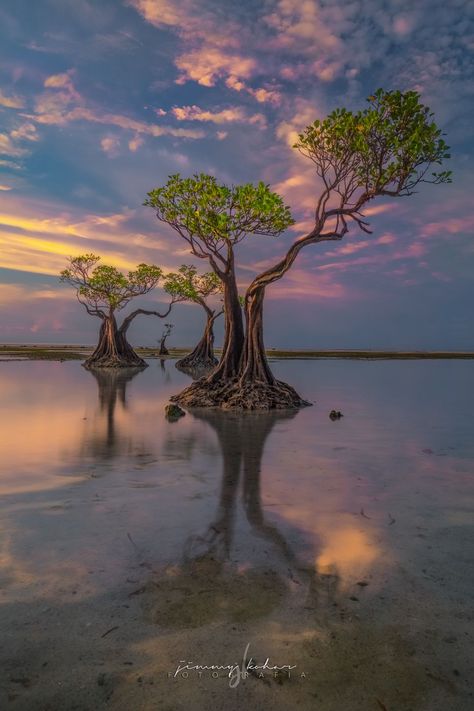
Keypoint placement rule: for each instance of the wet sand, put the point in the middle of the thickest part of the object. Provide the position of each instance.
(343, 549)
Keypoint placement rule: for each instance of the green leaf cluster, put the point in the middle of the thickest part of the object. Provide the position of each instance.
(199, 208)
(187, 285)
(102, 286)
(386, 148)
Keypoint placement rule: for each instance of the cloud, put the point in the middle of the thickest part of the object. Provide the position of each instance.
(63, 81)
(233, 114)
(5, 187)
(207, 65)
(37, 237)
(58, 106)
(265, 95)
(11, 102)
(301, 283)
(111, 146)
(212, 45)
(450, 226)
(7, 148)
(355, 245)
(261, 94)
(403, 25)
(303, 113)
(135, 143)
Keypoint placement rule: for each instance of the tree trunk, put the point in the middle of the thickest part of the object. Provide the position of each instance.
(203, 355)
(210, 390)
(255, 387)
(254, 365)
(233, 334)
(163, 348)
(113, 349)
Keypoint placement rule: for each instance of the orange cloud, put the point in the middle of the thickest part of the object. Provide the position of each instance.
(135, 143)
(38, 237)
(10, 102)
(206, 65)
(261, 94)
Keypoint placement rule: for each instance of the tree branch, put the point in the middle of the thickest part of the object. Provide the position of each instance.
(128, 320)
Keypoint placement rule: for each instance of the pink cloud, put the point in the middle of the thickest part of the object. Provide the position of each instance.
(403, 25)
(206, 65)
(194, 113)
(111, 146)
(449, 225)
(299, 283)
(54, 108)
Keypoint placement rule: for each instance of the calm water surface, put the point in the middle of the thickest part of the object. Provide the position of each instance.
(344, 548)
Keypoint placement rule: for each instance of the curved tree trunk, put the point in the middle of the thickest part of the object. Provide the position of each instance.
(254, 365)
(203, 355)
(256, 388)
(113, 349)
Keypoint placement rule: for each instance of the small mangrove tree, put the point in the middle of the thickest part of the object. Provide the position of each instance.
(104, 290)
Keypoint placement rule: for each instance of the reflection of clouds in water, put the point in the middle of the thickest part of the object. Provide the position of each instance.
(349, 551)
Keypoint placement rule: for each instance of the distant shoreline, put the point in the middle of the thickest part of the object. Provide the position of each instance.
(9, 352)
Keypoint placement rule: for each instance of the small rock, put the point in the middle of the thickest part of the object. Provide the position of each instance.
(173, 412)
(335, 415)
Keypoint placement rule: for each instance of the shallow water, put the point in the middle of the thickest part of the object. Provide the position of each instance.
(344, 548)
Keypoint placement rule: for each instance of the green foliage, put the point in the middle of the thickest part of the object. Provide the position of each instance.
(100, 286)
(385, 149)
(187, 285)
(200, 209)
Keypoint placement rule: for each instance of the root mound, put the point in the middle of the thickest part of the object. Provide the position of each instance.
(114, 362)
(236, 395)
(191, 362)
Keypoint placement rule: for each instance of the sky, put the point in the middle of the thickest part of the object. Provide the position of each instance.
(101, 100)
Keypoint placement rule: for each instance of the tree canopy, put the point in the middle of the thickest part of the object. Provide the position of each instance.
(102, 287)
(386, 149)
(212, 216)
(187, 285)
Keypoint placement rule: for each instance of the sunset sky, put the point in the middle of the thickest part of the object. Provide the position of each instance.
(100, 100)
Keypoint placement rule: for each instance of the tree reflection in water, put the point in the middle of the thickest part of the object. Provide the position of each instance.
(104, 440)
(220, 577)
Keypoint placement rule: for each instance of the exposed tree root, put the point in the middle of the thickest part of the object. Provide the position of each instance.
(195, 373)
(232, 394)
(115, 361)
(196, 362)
